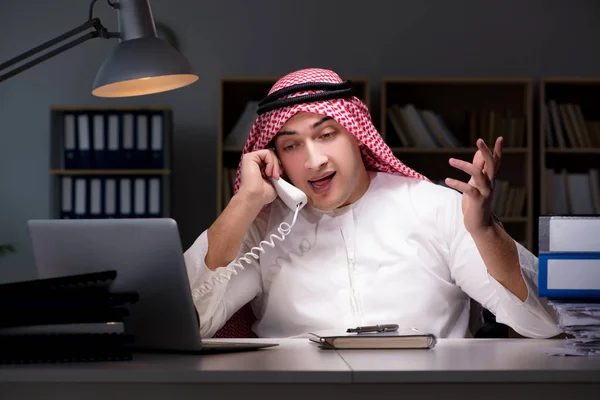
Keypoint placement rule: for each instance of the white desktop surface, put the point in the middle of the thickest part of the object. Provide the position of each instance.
(473, 361)
(294, 360)
(296, 369)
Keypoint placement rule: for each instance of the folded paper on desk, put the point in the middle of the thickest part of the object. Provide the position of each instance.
(401, 339)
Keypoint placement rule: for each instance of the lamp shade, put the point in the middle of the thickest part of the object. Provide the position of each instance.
(142, 66)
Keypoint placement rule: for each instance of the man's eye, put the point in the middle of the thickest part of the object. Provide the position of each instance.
(288, 147)
(327, 135)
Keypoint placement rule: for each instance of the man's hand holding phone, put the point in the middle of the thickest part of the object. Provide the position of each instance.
(226, 233)
(256, 168)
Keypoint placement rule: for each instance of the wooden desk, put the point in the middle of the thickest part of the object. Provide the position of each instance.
(489, 369)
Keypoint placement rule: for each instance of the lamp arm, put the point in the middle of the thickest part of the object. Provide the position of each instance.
(99, 31)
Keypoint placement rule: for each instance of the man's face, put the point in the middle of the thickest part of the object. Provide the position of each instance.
(321, 158)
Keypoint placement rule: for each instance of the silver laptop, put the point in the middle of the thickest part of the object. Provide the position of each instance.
(148, 257)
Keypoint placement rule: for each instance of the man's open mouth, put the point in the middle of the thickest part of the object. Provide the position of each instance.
(322, 182)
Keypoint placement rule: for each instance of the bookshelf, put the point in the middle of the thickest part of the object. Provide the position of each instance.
(427, 120)
(235, 120)
(569, 123)
(110, 162)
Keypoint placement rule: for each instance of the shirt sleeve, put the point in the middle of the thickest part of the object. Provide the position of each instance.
(534, 317)
(218, 294)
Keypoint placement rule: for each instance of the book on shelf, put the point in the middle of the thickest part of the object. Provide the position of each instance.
(421, 128)
(565, 126)
(493, 123)
(425, 128)
(509, 200)
(572, 192)
(240, 131)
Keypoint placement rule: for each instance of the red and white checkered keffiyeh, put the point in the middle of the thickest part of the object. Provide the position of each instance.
(351, 113)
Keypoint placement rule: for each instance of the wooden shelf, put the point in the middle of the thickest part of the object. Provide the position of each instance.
(447, 111)
(571, 80)
(457, 150)
(93, 183)
(78, 108)
(452, 98)
(569, 151)
(569, 137)
(110, 172)
(458, 80)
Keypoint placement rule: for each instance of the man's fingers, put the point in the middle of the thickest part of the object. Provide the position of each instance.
(274, 164)
(478, 160)
(488, 158)
(267, 161)
(477, 174)
(479, 178)
(269, 168)
(498, 152)
(464, 188)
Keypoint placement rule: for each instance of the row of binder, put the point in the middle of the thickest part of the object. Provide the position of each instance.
(111, 197)
(111, 140)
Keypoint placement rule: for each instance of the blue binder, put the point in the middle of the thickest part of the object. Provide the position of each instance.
(66, 197)
(140, 198)
(80, 197)
(95, 190)
(142, 154)
(99, 140)
(84, 142)
(113, 149)
(110, 197)
(157, 141)
(155, 200)
(125, 202)
(69, 141)
(128, 141)
(573, 275)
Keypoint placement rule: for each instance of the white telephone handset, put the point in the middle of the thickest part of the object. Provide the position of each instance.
(290, 194)
(295, 199)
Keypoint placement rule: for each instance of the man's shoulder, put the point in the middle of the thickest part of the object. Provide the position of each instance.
(428, 201)
(415, 188)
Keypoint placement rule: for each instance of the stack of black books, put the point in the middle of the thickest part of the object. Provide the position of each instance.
(65, 319)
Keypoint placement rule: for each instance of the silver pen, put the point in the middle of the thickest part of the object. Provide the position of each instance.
(373, 328)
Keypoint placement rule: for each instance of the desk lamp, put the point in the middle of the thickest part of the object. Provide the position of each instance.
(141, 63)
